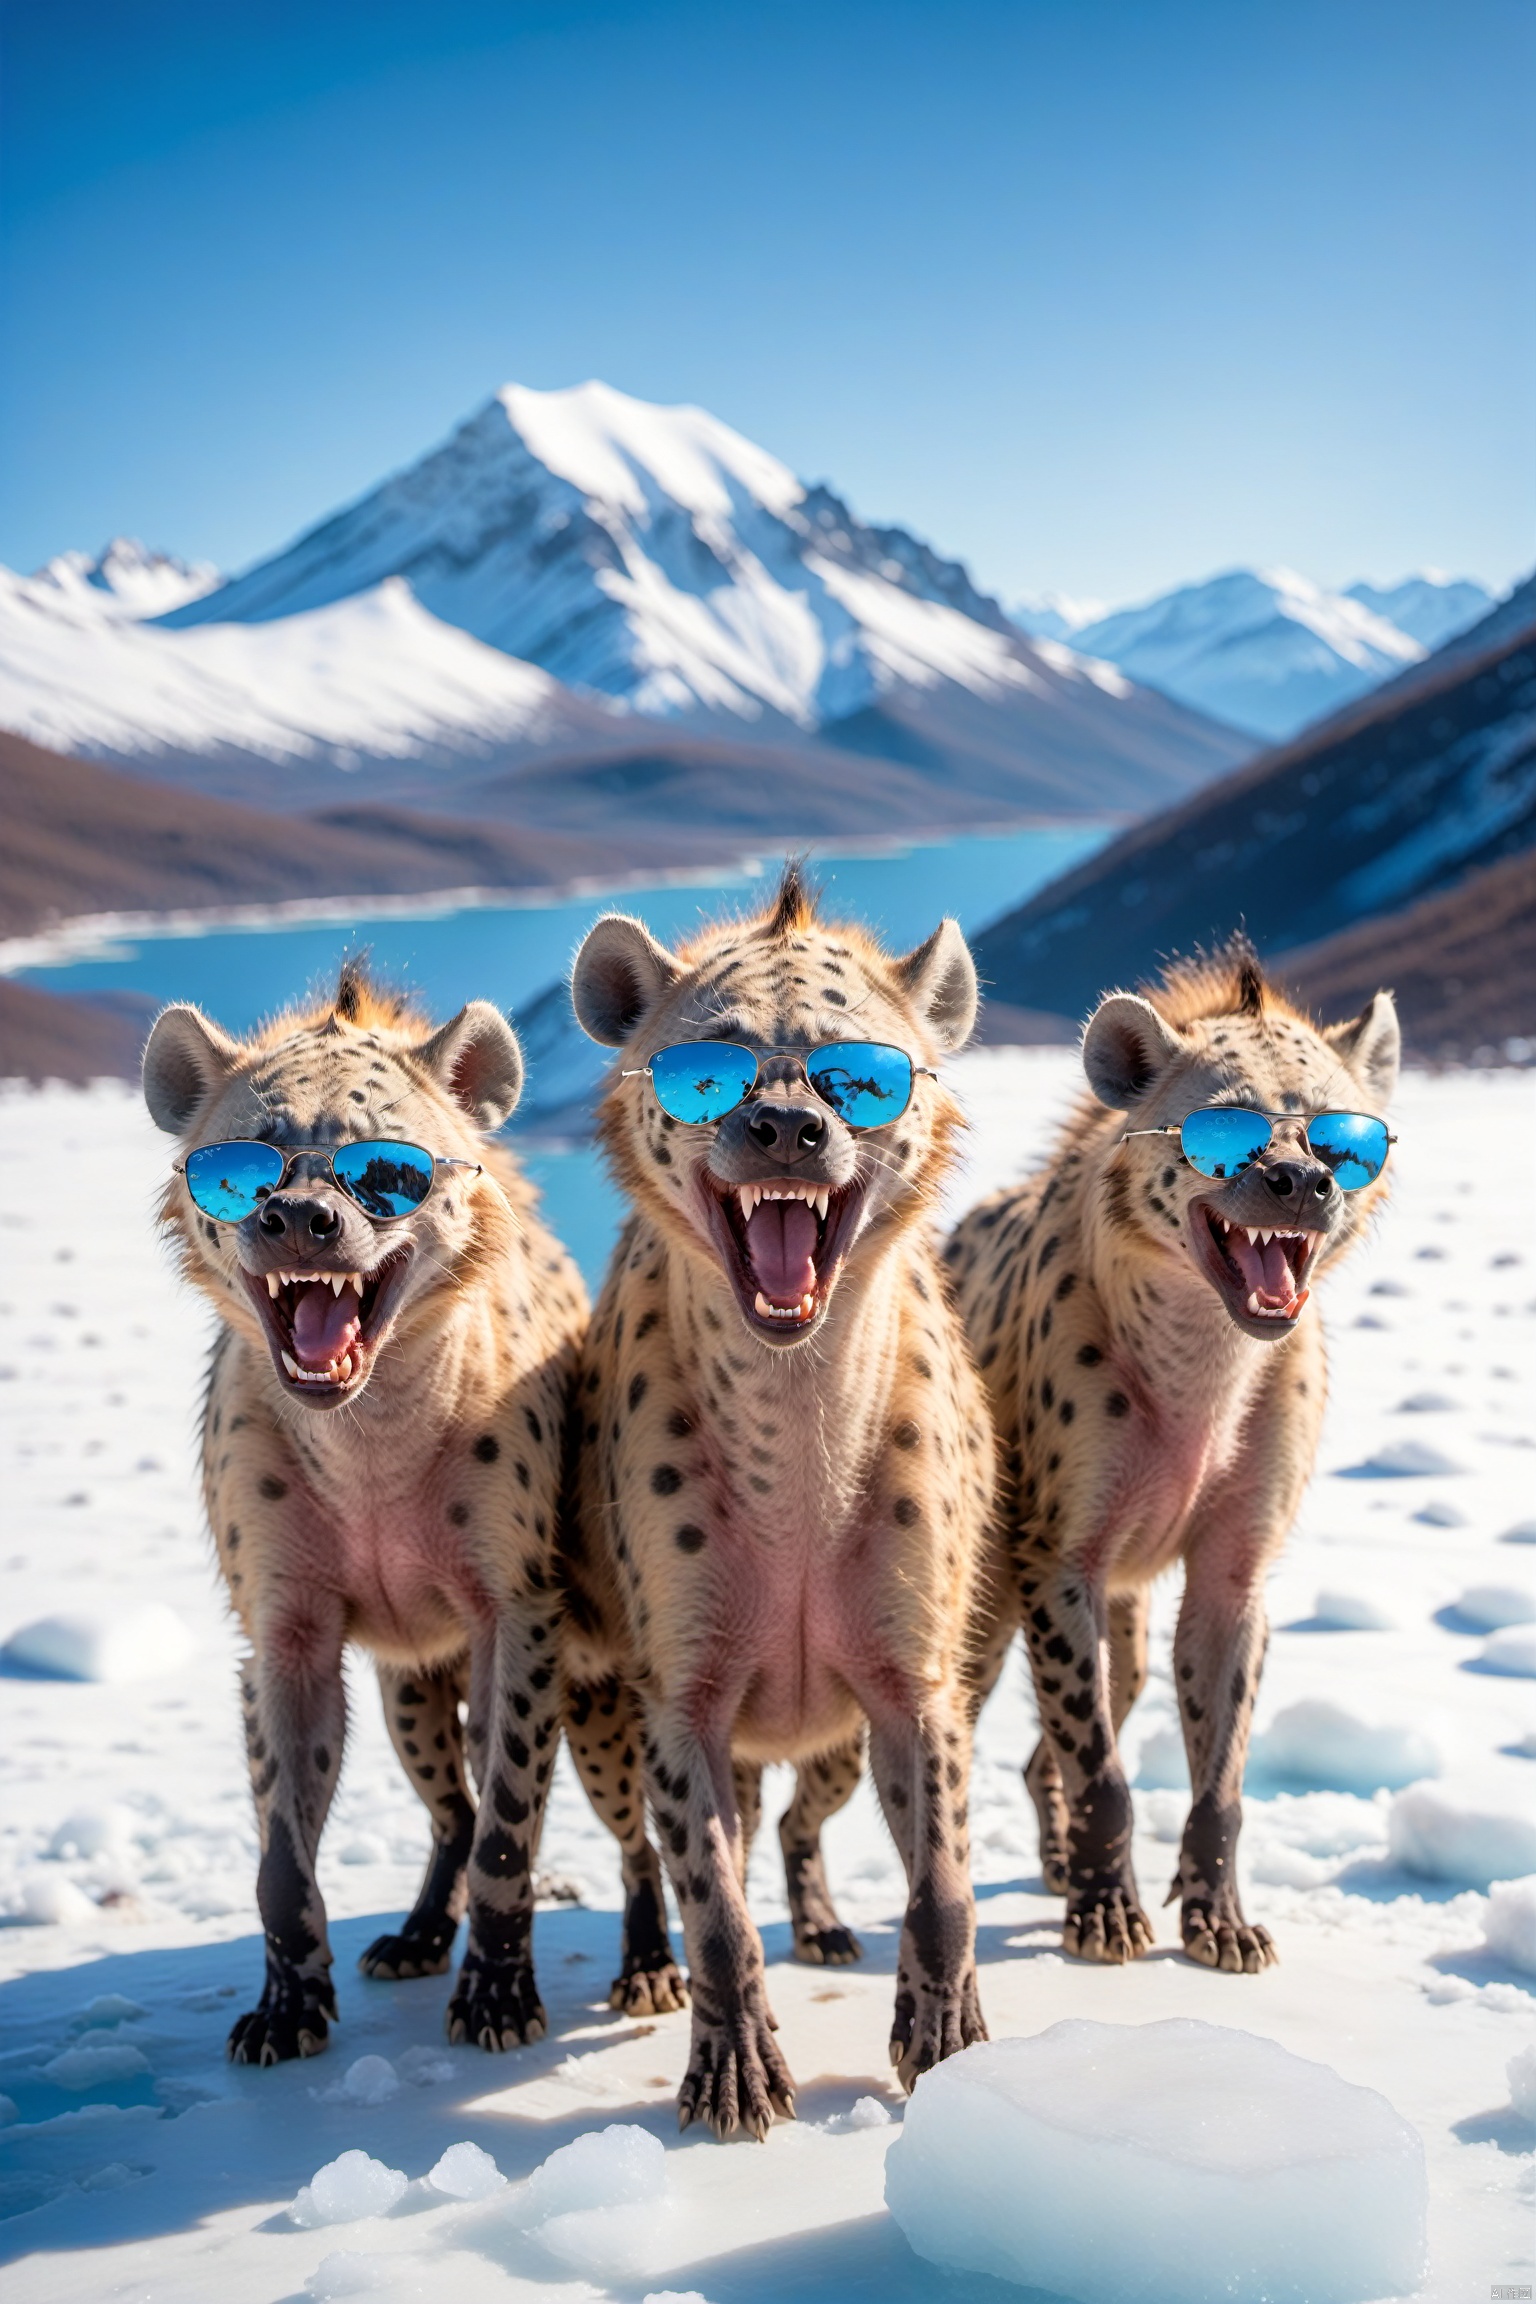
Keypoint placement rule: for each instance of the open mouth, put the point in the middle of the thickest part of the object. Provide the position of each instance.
(783, 1246)
(1259, 1270)
(323, 1328)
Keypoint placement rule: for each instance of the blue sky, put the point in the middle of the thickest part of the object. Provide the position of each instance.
(1099, 294)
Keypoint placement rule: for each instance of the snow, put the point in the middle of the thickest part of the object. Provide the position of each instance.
(127, 581)
(370, 2080)
(1521, 2074)
(1489, 1607)
(1512, 1651)
(1430, 607)
(126, 1838)
(1324, 1746)
(346, 2190)
(1446, 1832)
(1509, 1931)
(1335, 1611)
(1237, 2171)
(144, 1644)
(466, 2173)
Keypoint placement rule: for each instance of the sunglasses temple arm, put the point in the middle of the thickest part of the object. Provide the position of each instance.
(1130, 1132)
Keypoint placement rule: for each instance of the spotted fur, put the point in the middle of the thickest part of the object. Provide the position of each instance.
(408, 1506)
(1148, 1414)
(780, 1531)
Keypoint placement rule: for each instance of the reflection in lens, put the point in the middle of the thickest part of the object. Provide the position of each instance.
(701, 1080)
(384, 1179)
(865, 1082)
(229, 1181)
(1223, 1140)
(1352, 1144)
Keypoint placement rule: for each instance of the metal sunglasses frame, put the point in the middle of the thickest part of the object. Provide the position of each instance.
(1256, 1112)
(288, 1153)
(802, 1056)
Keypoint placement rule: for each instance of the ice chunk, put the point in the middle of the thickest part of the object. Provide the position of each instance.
(676, 2296)
(110, 2008)
(370, 2080)
(1350, 1612)
(1512, 1652)
(1509, 1926)
(866, 2112)
(1521, 2071)
(1401, 1460)
(424, 2067)
(347, 2189)
(139, 1644)
(1322, 1745)
(1237, 2171)
(52, 1900)
(91, 1832)
(98, 2063)
(1438, 1514)
(1161, 1763)
(1491, 1606)
(600, 2204)
(1443, 1833)
(464, 2172)
(348, 2272)
(1523, 1532)
(1426, 1404)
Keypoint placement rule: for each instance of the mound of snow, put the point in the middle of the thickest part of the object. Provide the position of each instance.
(1162, 1764)
(137, 1646)
(1322, 1746)
(1521, 2071)
(91, 1832)
(1489, 1607)
(1426, 1404)
(1509, 1926)
(347, 2189)
(1402, 1460)
(1350, 1612)
(96, 2061)
(370, 2080)
(1523, 1532)
(53, 1901)
(348, 2272)
(1512, 1652)
(464, 2172)
(599, 2204)
(1236, 2170)
(1437, 1832)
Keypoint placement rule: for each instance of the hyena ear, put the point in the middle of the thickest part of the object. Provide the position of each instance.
(620, 972)
(186, 1058)
(940, 978)
(1371, 1044)
(476, 1057)
(1125, 1046)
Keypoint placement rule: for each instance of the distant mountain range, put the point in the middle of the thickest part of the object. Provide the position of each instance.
(580, 598)
(1265, 650)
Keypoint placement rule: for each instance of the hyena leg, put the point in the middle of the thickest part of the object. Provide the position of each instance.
(603, 1730)
(421, 1711)
(747, 1784)
(1218, 1654)
(922, 1773)
(294, 1707)
(1066, 1625)
(736, 2078)
(496, 2000)
(1042, 1772)
(822, 1786)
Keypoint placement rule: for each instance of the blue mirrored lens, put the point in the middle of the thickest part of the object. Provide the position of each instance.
(702, 1079)
(1353, 1144)
(865, 1082)
(230, 1181)
(1223, 1141)
(385, 1179)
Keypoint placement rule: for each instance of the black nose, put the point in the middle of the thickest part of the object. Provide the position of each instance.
(1298, 1181)
(786, 1131)
(299, 1216)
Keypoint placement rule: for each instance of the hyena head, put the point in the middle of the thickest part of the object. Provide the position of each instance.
(326, 1283)
(1215, 1033)
(782, 1191)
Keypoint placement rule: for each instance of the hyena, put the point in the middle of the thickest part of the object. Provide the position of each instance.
(785, 1460)
(1137, 1311)
(382, 1438)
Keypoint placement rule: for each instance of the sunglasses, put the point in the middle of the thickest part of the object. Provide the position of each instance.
(1225, 1139)
(229, 1182)
(865, 1082)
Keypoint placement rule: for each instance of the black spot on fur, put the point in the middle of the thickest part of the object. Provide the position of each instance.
(691, 1538)
(271, 1487)
(666, 1480)
(487, 1448)
(638, 1386)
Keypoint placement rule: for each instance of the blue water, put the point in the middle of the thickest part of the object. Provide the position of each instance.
(510, 952)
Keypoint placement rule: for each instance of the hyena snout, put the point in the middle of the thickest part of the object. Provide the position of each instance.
(300, 1218)
(1304, 1187)
(785, 1132)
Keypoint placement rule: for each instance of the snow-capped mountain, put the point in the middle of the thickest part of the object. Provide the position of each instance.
(571, 560)
(126, 579)
(1268, 651)
(1056, 615)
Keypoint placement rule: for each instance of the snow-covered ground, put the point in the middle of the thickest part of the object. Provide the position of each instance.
(139, 2166)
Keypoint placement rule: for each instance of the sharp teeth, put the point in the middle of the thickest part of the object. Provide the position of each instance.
(749, 1196)
(821, 1201)
(274, 1285)
(1253, 1234)
(340, 1280)
(291, 1364)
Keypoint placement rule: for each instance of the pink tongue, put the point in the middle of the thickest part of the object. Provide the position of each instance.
(1263, 1266)
(1277, 1273)
(781, 1241)
(324, 1324)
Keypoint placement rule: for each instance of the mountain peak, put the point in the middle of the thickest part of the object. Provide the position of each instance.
(126, 578)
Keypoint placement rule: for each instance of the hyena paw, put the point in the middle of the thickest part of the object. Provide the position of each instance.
(826, 1944)
(736, 2078)
(931, 2023)
(292, 2018)
(1107, 1924)
(417, 1951)
(1053, 1871)
(1227, 1941)
(650, 1985)
(495, 2006)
